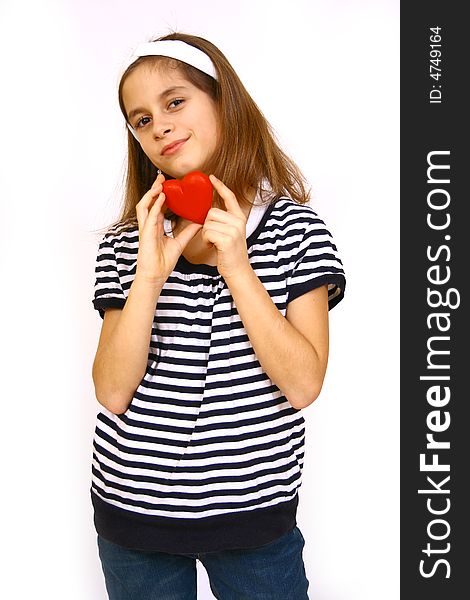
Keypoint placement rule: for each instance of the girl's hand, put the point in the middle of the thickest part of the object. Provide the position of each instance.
(158, 253)
(226, 230)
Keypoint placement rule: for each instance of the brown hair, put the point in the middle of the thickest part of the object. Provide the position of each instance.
(247, 153)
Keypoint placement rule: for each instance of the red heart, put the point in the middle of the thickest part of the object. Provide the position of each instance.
(190, 197)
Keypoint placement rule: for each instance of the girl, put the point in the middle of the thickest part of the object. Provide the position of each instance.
(214, 338)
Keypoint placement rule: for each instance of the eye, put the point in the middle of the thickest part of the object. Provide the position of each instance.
(175, 103)
(142, 122)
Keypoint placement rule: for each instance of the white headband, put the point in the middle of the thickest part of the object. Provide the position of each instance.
(179, 50)
(175, 49)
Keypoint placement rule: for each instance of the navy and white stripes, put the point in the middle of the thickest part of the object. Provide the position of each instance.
(207, 433)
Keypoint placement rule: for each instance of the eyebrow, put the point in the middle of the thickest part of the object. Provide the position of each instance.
(166, 92)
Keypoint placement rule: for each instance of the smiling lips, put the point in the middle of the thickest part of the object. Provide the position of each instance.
(172, 148)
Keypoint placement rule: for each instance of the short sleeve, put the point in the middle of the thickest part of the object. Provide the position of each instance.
(108, 292)
(317, 263)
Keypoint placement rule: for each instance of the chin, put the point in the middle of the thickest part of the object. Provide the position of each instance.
(183, 168)
(180, 173)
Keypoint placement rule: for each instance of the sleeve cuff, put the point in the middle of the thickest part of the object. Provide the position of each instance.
(336, 286)
(101, 304)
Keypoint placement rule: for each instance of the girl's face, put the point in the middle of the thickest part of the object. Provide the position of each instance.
(176, 122)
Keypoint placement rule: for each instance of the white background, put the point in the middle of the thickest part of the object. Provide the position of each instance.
(325, 74)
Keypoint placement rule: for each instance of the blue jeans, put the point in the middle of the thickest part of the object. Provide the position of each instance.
(274, 571)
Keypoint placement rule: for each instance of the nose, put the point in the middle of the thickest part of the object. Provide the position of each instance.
(161, 129)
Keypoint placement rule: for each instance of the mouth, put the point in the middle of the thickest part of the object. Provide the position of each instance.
(174, 147)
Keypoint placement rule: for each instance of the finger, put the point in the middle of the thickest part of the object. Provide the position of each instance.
(227, 229)
(151, 215)
(185, 236)
(156, 209)
(218, 215)
(151, 194)
(143, 207)
(215, 238)
(227, 196)
(149, 197)
(159, 179)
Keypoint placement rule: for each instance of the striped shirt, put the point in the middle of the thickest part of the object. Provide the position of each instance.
(209, 454)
